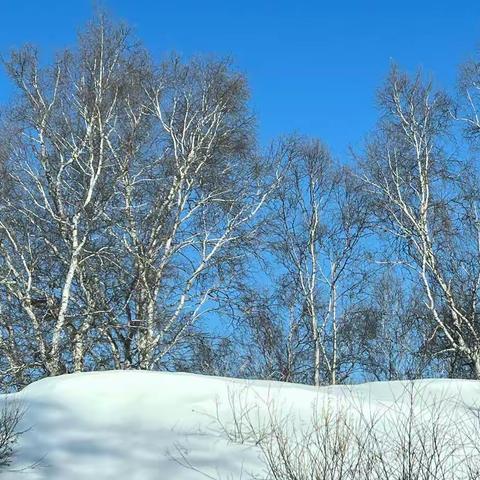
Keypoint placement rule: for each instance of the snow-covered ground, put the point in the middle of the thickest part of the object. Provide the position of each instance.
(147, 425)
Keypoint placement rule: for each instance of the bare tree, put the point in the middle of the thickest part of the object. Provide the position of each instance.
(133, 191)
(201, 206)
(390, 330)
(319, 222)
(271, 341)
(418, 194)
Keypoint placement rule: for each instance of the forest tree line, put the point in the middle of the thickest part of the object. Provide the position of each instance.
(142, 225)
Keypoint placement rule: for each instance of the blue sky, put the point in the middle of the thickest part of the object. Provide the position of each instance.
(313, 66)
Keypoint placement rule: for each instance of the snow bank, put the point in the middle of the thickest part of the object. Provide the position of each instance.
(147, 425)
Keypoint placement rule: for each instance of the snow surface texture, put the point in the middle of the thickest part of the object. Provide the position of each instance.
(140, 425)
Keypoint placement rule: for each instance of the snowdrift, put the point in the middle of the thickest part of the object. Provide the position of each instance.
(169, 426)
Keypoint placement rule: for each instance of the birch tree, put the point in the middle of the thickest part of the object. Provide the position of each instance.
(131, 190)
(190, 209)
(390, 329)
(423, 201)
(320, 222)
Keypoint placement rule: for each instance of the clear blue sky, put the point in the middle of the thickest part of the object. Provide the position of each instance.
(313, 66)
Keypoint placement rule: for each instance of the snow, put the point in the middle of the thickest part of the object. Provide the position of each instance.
(139, 425)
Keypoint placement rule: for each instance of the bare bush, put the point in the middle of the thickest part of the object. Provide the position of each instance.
(415, 436)
(10, 416)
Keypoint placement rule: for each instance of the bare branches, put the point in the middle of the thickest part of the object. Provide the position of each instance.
(10, 418)
(412, 437)
(414, 181)
(132, 187)
(316, 237)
